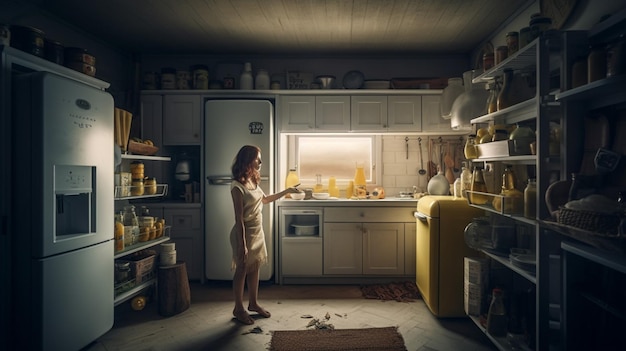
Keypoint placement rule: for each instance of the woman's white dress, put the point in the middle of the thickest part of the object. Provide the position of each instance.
(253, 223)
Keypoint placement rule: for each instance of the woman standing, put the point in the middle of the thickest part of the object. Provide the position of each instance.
(247, 238)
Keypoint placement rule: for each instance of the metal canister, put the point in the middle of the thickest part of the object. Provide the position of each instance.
(168, 78)
(200, 77)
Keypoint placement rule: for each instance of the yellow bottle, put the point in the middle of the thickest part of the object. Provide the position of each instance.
(350, 190)
(359, 181)
(291, 180)
(333, 190)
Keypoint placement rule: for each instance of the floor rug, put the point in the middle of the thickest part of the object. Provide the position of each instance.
(368, 339)
(400, 291)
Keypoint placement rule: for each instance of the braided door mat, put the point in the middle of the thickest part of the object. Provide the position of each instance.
(368, 339)
(398, 291)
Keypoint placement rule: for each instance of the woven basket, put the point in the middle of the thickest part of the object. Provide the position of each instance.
(590, 220)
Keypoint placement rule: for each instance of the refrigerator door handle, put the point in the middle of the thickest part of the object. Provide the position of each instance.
(227, 180)
(219, 180)
(420, 216)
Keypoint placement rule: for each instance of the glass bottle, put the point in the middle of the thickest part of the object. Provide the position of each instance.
(466, 180)
(492, 100)
(478, 184)
(333, 190)
(457, 188)
(507, 96)
(530, 199)
(291, 180)
(496, 317)
(359, 181)
(131, 226)
(319, 187)
(469, 150)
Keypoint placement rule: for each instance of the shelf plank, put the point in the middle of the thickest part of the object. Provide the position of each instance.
(146, 158)
(144, 245)
(132, 292)
(507, 263)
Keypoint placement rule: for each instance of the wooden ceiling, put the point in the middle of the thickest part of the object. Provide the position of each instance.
(296, 27)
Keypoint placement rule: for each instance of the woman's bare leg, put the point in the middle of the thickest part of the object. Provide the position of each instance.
(239, 311)
(253, 292)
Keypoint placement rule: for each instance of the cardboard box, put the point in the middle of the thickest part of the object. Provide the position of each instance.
(473, 298)
(476, 270)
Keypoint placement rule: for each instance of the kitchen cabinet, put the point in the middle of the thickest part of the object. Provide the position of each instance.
(356, 113)
(186, 232)
(182, 120)
(365, 241)
(431, 115)
(315, 113)
(300, 242)
(129, 289)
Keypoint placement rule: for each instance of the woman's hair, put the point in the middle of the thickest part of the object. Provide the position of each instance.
(243, 166)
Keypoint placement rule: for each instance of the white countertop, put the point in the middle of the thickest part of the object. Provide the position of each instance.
(387, 202)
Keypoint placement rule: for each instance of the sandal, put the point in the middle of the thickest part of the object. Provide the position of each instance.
(243, 317)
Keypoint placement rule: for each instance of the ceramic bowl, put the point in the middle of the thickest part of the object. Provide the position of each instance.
(298, 196)
(321, 196)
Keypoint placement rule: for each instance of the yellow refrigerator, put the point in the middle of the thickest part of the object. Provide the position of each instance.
(440, 249)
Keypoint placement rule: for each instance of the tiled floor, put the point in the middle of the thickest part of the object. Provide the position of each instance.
(208, 323)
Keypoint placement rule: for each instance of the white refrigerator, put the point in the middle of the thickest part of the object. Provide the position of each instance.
(230, 124)
(63, 212)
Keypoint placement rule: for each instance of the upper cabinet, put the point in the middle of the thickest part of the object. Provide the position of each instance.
(182, 120)
(359, 113)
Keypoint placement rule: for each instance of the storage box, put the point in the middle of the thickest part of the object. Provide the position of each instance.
(476, 271)
(299, 80)
(499, 148)
(142, 265)
(473, 297)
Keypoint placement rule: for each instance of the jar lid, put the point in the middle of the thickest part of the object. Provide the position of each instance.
(512, 34)
(120, 265)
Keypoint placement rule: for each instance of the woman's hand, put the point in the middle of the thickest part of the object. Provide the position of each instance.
(242, 253)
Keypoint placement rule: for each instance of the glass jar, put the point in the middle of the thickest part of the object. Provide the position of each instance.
(488, 61)
(122, 272)
(137, 187)
(507, 96)
(457, 188)
(200, 77)
(512, 42)
(502, 52)
(522, 137)
(469, 150)
(479, 185)
(137, 170)
(131, 225)
(150, 185)
(477, 234)
(530, 199)
(466, 180)
(524, 37)
(596, 64)
(497, 319)
(538, 25)
(119, 233)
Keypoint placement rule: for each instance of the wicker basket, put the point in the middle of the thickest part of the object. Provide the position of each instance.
(590, 220)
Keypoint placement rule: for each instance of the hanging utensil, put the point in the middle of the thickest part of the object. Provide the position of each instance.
(421, 171)
(406, 141)
(447, 159)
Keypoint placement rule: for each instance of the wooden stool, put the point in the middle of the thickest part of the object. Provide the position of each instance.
(173, 285)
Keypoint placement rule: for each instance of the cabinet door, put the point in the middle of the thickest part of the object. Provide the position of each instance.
(431, 115)
(152, 128)
(297, 113)
(186, 232)
(182, 120)
(369, 113)
(343, 248)
(405, 113)
(409, 248)
(383, 248)
(301, 257)
(332, 113)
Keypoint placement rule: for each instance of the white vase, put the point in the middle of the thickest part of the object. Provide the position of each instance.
(470, 104)
(449, 94)
(438, 185)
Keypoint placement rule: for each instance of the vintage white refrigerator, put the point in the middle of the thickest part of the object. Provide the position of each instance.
(230, 124)
(62, 242)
